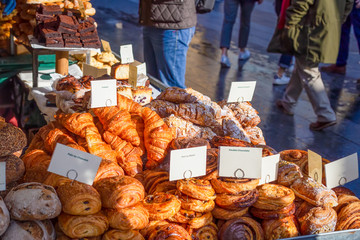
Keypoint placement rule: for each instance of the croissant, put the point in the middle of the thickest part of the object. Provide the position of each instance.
(36, 143)
(157, 137)
(119, 123)
(76, 122)
(241, 228)
(97, 146)
(82, 142)
(140, 127)
(169, 231)
(37, 173)
(124, 103)
(115, 234)
(58, 136)
(35, 157)
(208, 232)
(108, 169)
(128, 157)
(55, 180)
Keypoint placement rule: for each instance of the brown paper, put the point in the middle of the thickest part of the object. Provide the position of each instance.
(315, 166)
(135, 69)
(89, 70)
(106, 45)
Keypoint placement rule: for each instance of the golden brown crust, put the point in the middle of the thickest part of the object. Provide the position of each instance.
(15, 168)
(196, 188)
(161, 206)
(235, 202)
(151, 226)
(164, 187)
(349, 217)
(233, 185)
(153, 178)
(221, 213)
(185, 142)
(274, 197)
(218, 141)
(241, 228)
(294, 155)
(273, 214)
(208, 232)
(192, 204)
(342, 190)
(169, 231)
(108, 169)
(288, 172)
(280, 228)
(12, 139)
(116, 234)
(77, 122)
(211, 164)
(345, 200)
(35, 157)
(192, 219)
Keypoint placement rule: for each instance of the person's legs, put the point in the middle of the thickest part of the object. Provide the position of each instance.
(247, 7)
(149, 54)
(355, 18)
(344, 43)
(230, 12)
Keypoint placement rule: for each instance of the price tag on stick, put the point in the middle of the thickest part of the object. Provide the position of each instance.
(342, 171)
(240, 162)
(126, 54)
(74, 164)
(187, 163)
(103, 93)
(2, 176)
(241, 91)
(269, 168)
(315, 166)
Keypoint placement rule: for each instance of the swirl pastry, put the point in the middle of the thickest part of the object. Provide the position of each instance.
(120, 192)
(294, 155)
(135, 217)
(161, 205)
(115, 234)
(192, 204)
(241, 228)
(169, 231)
(221, 213)
(235, 202)
(233, 185)
(349, 217)
(4, 217)
(211, 164)
(85, 81)
(79, 198)
(32, 230)
(108, 169)
(345, 200)
(315, 193)
(342, 190)
(83, 226)
(164, 187)
(218, 141)
(274, 197)
(273, 214)
(191, 218)
(280, 228)
(185, 142)
(196, 188)
(288, 172)
(153, 178)
(151, 227)
(208, 232)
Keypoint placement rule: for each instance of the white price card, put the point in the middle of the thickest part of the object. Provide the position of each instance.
(126, 54)
(188, 163)
(315, 166)
(240, 162)
(103, 93)
(269, 168)
(342, 171)
(74, 164)
(2, 176)
(241, 91)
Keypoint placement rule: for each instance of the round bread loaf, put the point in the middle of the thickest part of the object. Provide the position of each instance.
(33, 201)
(4, 217)
(12, 139)
(15, 168)
(30, 230)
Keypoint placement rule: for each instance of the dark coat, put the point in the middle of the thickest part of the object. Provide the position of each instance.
(313, 29)
(168, 14)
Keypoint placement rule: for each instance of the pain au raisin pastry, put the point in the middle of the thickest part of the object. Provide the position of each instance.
(191, 218)
(135, 217)
(32, 230)
(349, 216)
(280, 228)
(116, 234)
(233, 185)
(151, 226)
(196, 188)
(83, 226)
(345, 197)
(169, 231)
(165, 187)
(153, 178)
(241, 228)
(211, 164)
(33, 201)
(4, 217)
(288, 172)
(273, 214)
(315, 193)
(294, 155)
(208, 232)
(274, 197)
(193, 204)
(161, 205)
(120, 192)
(224, 214)
(79, 198)
(235, 202)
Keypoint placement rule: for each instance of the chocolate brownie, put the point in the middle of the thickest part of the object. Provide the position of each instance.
(52, 23)
(42, 17)
(72, 40)
(73, 45)
(89, 35)
(50, 33)
(92, 45)
(86, 26)
(54, 42)
(66, 35)
(68, 22)
(90, 40)
(50, 10)
(63, 29)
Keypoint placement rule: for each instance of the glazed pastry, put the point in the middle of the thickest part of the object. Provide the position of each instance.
(191, 218)
(244, 112)
(273, 214)
(55, 180)
(161, 206)
(140, 127)
(169, 231)
(165, 187)
(68, 83)
(35, 157)
(185, 142)
(135, 217)
(315, 193)
(32, 230)
(274, 197)
(294, 155)
(85, 81)
(157, 137)
(256, 135)
(288, 172)
(153, 179)
(98, 147)
(208, 232)
(76, 122)
(12, 139)
(36, 143)
(235, 202)
(233, 185)
(280, 228)
(151, 227)
(342, 190)
(108, 169)
(349, 217)
(120, 192)
(83, 226)
(124, 103)
(218, 141)
(118, 122)
(241, 228)
(14, 168)
(196, 188)
(4, 217)
(344, 200)
(192, 204)
(221, 213)
(33, 201)
(115, 234)
(79, 198)
(57, 136)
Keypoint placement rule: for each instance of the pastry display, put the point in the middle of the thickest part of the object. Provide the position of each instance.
(12, 139)
(32, 230)
(169, 231)
(116, 234)
(274, 197)
(134, 217)
(196, 188)
(207, 232)
(241, 228)
(233, 185)
(280, 228)
(4, 217)
(161, 206)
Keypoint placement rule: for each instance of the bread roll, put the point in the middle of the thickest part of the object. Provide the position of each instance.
(12, 139)
(14, 168)
(30, 230)
(4, 217)
(33, 201)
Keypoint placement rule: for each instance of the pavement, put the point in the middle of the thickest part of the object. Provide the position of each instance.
(204, 73)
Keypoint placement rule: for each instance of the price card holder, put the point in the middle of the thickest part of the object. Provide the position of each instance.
(240, 162)
(342, 171)
(93, 71)
(269, 168)
(315, 166)
(103, 93)
(2, 176)
(136, 69)
(106, 45)
(241, 91)
(126, 54)
(74, 164)
(187, 163)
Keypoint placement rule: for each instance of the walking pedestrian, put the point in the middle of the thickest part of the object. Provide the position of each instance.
(354, 20)
(230, 12)
(168, 27)
(312, 34)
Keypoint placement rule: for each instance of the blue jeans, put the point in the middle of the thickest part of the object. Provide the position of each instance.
(353, 19)
(165, 54)
(230, 12)
(285, 60)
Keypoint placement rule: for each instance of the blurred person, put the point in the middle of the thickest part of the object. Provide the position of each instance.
(312, 33)
(230, 12)
(354, 20)
(168, 27)
(9, 6)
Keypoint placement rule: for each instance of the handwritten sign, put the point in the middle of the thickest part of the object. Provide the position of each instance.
(126, 54)
(103, 93)
(269, 168)
(315, 166)
(241, 91)
(2, 176)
